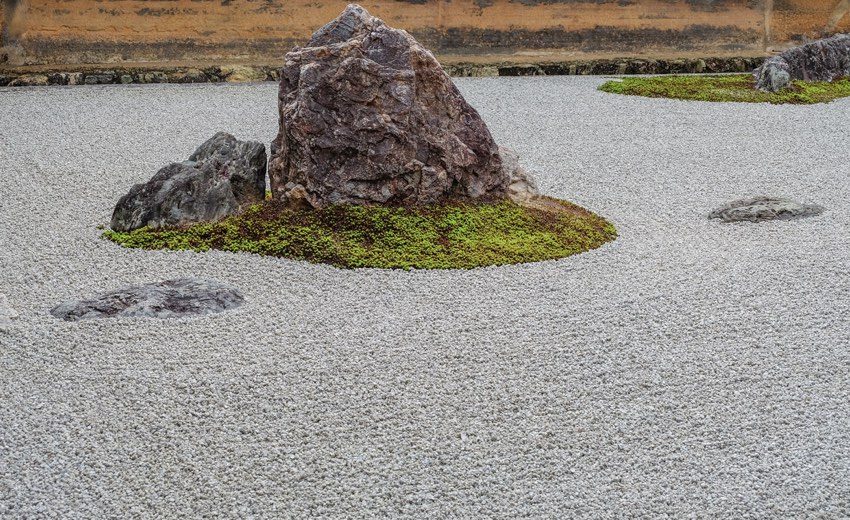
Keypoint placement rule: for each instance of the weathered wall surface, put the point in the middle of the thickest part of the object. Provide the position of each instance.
(261, 31)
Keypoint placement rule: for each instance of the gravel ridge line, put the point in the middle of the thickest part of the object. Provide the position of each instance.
(688, 369)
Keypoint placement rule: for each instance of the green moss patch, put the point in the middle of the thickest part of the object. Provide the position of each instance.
(452, 236)
(738, 87)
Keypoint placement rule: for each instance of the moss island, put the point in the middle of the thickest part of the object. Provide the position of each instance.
(448, 236)
(737, 87)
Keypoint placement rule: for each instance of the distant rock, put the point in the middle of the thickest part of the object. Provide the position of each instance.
(169, 299)
(368, 116)
(764, 208)
(822, 60)
(223, 177)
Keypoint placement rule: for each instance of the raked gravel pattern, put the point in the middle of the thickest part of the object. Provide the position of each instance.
(691, 368)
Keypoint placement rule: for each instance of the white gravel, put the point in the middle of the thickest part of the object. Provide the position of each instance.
(689, 369)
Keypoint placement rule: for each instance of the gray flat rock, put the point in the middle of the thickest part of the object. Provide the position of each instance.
(169, 299)
(758, 209)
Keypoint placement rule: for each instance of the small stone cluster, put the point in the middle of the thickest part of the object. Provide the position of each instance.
(367, 116)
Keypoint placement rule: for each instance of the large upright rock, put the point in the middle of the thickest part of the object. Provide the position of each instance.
(223, 177)
(823, 60)
(367, 115)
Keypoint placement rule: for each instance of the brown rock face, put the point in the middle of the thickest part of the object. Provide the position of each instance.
(367, 116)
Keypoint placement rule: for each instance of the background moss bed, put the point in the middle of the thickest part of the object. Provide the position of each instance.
(451, 236)
(737, 87)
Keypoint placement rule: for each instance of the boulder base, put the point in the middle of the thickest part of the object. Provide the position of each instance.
(823, 60)
(522, 188)
(223, 177)
(169, 299)
(368, 116)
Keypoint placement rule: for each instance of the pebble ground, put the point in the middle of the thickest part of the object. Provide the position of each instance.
(689, 369)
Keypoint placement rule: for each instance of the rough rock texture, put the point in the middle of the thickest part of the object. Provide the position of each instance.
(7, 313)
(367, 115)
(221, 178)
(169, 299)
(521, 186)
(822, 60)
(764, 208)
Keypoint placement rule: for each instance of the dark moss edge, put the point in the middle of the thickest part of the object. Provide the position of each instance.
(799, 93)
(101, 75)
(548, 214)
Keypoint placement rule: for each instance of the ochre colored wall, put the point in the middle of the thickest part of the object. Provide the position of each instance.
(796, 21)
(104, 31)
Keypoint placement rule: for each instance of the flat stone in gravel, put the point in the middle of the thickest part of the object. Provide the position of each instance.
(223, 177)
(169, 299)
(759, 209)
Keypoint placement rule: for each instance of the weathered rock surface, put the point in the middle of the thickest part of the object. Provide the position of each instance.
(822, 60)
(7, 313)
(223, 177)
(30, 80)
(169, 299)
(759, 209)
(367, 115)
(521, 186)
